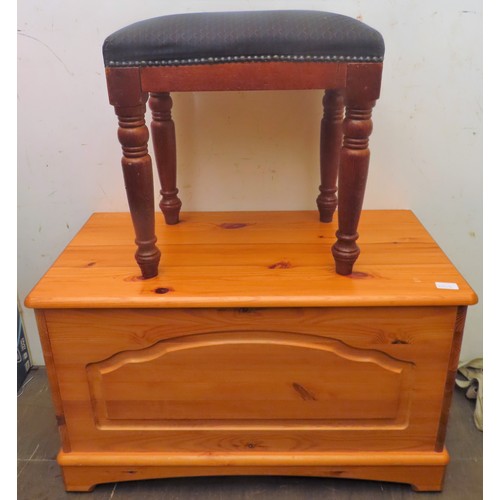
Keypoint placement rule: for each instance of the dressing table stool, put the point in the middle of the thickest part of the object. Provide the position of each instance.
(266, 50)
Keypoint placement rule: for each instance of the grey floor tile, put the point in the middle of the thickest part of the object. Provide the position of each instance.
(246, 488)
(35, 389)
(42, 480)
(38, 436)
(463, 440)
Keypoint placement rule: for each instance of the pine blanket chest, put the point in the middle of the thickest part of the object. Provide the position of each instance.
(248, 354)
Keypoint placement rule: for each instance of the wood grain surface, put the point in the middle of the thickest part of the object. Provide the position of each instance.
(243, 76)
(252, 259)
(268, 380)
(424, 471)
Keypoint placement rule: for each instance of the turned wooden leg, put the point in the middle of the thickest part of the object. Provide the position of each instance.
(137, 171)
(163, 132)
(330, 145)
(354, 160)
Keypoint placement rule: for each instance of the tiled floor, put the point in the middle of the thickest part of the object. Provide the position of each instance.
(39, 477)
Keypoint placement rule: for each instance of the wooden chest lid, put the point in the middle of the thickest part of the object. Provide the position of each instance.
(252, 259)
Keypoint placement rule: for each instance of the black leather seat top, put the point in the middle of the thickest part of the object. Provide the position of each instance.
(221, 37)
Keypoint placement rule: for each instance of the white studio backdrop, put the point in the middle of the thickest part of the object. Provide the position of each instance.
(255, 150)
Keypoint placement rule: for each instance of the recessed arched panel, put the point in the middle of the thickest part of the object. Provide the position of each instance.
(257, 379)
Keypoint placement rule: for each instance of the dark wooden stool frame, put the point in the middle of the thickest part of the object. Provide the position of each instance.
(344, 154)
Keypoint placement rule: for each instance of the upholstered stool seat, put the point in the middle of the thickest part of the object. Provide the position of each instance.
(267, 50)
(243, 36)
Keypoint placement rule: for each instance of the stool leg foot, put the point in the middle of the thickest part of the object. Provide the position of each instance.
(354, 160)
(345, 252)
(163, 133)
(148, 263)
(138, 175)
(330, 145)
